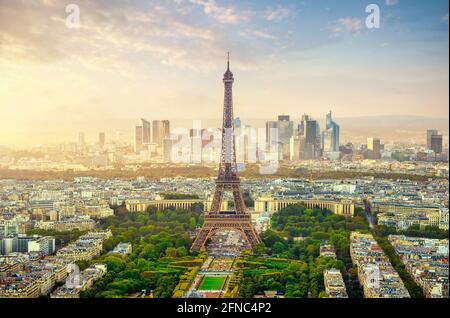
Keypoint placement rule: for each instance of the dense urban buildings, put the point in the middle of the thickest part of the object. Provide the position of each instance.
(427, 262)
(27, 205)
(375, 272)
(84, 281)
(20, 243)
(36, 272)
(334, 284)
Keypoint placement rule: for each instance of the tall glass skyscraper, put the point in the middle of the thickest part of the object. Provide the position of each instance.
(332, 131)
(312, 139)
(160, 131)
(146, 134)
(285, 129)
(430, 134)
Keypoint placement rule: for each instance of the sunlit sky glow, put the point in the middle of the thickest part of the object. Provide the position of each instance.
(165, 59)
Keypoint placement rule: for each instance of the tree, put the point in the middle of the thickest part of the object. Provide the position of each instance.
(279, 247)
(270, 237)
(260, 249)
(171, 252)
(154, 235)
(182, 251)
(192, 222)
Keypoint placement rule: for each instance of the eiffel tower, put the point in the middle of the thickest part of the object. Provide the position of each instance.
(227, 181)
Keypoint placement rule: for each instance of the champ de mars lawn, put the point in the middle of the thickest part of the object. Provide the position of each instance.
(212, 283)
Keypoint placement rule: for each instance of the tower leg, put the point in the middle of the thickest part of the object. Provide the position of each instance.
(239, 203)
(217, 201)
(252, 237)
(201, 238)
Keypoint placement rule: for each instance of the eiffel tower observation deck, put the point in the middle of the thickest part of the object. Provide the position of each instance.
(227, 181)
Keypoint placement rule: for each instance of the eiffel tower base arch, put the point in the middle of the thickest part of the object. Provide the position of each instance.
(224, 222)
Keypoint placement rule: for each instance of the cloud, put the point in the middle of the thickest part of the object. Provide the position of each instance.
(251, 34)
(391, 2)
(278, 14)
(221, 14)
(346, 26)
(445, 17)
(111, 36)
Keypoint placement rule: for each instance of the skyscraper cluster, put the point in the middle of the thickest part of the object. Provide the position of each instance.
(283, 129)
(434, 149)
(308, 143)
(282, 140)
(151, 136)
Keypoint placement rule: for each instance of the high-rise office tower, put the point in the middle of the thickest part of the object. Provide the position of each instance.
(271, 133)
(157, 131)
(297, 144)
(245, 142)
(81, 141)
(138, 144)
(301, 126)
(237, 123)
(318, 141)
(374, 147)
(327, 141)
(196, 146)
(239, 140)
(333, 132)
(146, 133)
(285, 132)
(210, 144)
(160, 130)
(101, 139)
(166, 129)
(430, 133)
(285, 129)
(167, 150)
(312, 139)
(436, 143)
(247, 148)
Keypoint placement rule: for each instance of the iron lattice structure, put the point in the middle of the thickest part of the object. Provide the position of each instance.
(227, 181)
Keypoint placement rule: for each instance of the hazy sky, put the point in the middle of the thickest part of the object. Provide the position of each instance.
(165, 59)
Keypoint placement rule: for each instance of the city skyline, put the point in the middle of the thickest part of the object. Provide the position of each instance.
(126, 62)
(401, 129)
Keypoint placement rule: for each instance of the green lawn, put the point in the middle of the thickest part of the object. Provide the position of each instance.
(212, 283)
